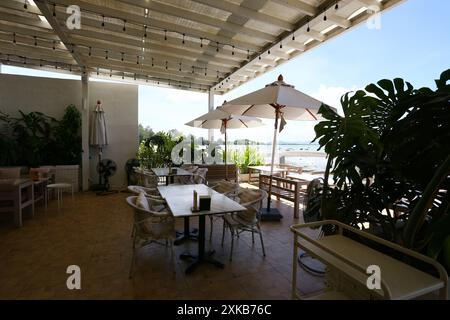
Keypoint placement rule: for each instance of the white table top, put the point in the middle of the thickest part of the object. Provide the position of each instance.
(164, 172)
(267, 168)
(179, 198)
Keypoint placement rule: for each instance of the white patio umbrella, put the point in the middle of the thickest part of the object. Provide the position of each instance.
(98, 135)
(219, 119)
(279, 101)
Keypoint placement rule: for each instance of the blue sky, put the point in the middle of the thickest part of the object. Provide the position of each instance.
(413, 43)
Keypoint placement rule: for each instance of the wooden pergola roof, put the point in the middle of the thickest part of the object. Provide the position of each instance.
(198, 45)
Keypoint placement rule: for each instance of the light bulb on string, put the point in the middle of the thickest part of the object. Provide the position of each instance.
(336, 7)
(54, 9)
(165, 34)
(35, 41)
(25, 5)
(103, 20)
(124, 25)
(90, 51)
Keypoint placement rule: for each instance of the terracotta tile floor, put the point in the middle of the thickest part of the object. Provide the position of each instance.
(93, 232)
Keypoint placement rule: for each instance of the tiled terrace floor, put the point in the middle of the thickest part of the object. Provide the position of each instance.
(94, 233)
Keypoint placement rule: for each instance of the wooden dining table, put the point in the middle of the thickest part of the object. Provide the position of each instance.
(179, 199)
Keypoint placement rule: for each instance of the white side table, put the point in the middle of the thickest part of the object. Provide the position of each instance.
(59, 188)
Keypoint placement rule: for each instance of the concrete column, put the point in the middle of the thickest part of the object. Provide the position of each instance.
(210, 108)
(85, 129)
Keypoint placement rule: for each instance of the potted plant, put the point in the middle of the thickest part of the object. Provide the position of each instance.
(245, 158)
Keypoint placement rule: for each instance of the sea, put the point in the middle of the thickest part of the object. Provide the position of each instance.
(313, 162)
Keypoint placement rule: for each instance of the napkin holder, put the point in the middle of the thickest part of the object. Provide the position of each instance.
(205, 203)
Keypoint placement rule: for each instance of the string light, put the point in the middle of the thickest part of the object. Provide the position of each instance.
(25, 5)
(35, 41)
(90, 51)
(281, 45)
(103, 20)
(325, 15)
(54, 9)
(193, 70)
(206, 71)
(97, 70)
(14, 38)
(40, 62)
(293, 37)
(336, 7)
(121, 57)
(166, 65)
(217, 46)
(106, 54)
(248, 54)
(201, 42)
(232, 52)
(137, 60)
(180, 67)
(54, 44)
(165, 35)
(124, 25)
(308, 29)
(152, 63)
(183, 38)
(145, 31)
(72, 49)
(123, 75)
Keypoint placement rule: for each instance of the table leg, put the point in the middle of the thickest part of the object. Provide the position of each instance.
(187, 234)
(202, 257)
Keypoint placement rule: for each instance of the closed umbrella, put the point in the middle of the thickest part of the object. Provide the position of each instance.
(220, 119)
(98, 135)
(279, 101)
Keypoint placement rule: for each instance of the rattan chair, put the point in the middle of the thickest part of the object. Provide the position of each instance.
(247, 220)
(151, 226)
(226, 188)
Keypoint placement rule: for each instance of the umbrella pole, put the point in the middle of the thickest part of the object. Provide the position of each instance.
(275, 133)
(226, 164)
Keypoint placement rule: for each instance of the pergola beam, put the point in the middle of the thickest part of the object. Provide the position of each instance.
(241, 11)
(57, 29)
(161, 7)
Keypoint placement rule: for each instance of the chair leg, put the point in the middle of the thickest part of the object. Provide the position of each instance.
(262, 242)
(232, 245)
(223, 232)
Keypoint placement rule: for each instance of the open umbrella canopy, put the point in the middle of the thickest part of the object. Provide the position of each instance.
(293, 104)
(220, 119)
(279, 101)
(98, 136)
(215, 120)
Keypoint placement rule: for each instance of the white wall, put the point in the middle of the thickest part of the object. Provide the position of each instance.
(51, 96)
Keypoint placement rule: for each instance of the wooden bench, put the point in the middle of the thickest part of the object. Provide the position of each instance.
(216, 172)
(283, 188)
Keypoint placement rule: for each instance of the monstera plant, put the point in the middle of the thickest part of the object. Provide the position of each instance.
(390, 150)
